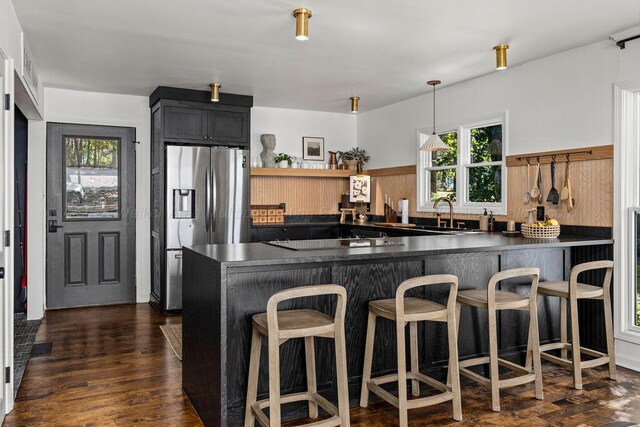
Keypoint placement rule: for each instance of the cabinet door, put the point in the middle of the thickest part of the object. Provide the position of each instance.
(228, 126)
(324, 232)
(185, 123)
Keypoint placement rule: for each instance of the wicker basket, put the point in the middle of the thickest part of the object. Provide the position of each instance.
(544, 232)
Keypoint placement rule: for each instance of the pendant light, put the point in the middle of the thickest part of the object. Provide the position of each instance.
(433, 142)
(215, 92)
(355, 101)
(302, 23)
(501, 56)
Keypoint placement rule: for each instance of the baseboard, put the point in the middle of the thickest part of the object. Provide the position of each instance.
(628, 355)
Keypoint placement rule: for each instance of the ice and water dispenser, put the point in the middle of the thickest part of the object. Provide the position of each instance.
(184, 203)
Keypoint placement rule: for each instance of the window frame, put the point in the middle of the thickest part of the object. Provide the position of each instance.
(462, 167)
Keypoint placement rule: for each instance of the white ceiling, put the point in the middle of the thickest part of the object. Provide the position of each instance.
(380, 50)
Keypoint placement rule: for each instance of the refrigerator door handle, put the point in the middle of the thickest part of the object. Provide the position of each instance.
(207, 201)
(214, 205)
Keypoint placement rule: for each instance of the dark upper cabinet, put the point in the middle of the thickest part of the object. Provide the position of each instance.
(185, 123)
(206, 124)
(228, 126)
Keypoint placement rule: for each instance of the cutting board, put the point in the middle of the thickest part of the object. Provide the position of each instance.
(393, 224)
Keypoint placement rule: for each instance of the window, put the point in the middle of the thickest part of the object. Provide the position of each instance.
(92, 178)
(471, 174)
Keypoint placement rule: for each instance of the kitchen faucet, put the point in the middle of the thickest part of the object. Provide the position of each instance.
(435, 206)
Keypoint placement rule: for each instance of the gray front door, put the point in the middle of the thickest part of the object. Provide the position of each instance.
(90, 215)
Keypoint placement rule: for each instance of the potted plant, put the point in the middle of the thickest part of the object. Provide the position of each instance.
(283, 160)
(354, 159)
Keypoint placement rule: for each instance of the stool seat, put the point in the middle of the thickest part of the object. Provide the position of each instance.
(478, 298)
(297, 323)
(413, 307)
(561, 289)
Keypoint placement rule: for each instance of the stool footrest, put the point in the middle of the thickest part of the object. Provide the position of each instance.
(526, 376)
(445, 392)
(600, 358)
(258, 407)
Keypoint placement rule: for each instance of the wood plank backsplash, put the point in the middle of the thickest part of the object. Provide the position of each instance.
(303, 196)
(592, 186)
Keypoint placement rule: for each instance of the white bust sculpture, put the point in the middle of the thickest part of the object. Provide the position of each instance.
(268, 141)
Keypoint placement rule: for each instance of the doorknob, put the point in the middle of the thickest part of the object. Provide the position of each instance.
(53, 226)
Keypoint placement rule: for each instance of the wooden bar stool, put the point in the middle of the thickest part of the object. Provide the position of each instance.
(572, 291)
(494, 300)
(413, 310)
(280, 326)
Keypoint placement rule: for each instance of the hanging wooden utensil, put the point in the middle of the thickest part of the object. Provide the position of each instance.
(535, 191)
(570, 200)
(564, 193)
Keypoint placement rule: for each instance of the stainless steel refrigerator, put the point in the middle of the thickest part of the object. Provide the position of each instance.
(207, 201)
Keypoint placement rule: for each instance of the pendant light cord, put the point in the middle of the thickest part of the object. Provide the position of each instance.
(434, 109)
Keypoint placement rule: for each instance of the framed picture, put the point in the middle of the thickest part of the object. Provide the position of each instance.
(360, 189)
(312, 148)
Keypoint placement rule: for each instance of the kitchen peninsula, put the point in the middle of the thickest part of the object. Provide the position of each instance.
(224, 285)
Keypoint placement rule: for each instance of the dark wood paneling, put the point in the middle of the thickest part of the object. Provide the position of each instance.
(282, 233)
(202, 96)
(185, 123)
(591, 313)
(227, 126)
(514, 325)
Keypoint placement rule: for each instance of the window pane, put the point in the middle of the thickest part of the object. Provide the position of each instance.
(443, 184)
(446, 158)
(486, 144)
(91, 172)
(485, 184)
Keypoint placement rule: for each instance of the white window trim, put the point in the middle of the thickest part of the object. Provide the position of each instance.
(626, 202)
(462, 165)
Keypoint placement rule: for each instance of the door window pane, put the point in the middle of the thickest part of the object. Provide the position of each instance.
(486, 144)
(92, 178)
(485, 184)
(443, 184)
(446, 158)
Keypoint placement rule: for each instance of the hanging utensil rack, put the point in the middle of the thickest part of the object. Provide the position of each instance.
(573, 155)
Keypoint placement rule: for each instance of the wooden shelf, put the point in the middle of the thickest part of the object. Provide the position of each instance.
(309, 173)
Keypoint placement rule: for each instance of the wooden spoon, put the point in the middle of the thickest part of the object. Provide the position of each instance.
(535, 191)
(564, 193)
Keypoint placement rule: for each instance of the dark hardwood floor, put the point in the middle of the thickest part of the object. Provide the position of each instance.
(112, 365)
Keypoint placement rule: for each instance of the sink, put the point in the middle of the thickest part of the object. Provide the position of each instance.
(446, 230)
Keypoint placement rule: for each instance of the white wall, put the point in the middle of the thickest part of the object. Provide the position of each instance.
(88, 108)
(561, 101)
(289, 126)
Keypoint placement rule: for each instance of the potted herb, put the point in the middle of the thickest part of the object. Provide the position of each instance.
(283, 160)
(354, 159)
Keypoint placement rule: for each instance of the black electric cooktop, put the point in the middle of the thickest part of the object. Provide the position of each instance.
(311, 245)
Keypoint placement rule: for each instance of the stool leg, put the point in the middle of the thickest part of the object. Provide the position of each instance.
(413, 343)
(454, 370)
(575, 343)
(493, 361)
(342, 380)
(368, 359)
(402, 375)
(611, 348)
(274, 381)
(310, 358)
(534, 339)
(528, 355)
(457, 330)
(563, 326)
(252, 383)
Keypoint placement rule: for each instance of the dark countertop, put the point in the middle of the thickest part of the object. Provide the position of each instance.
(255, 254)
(298, 224)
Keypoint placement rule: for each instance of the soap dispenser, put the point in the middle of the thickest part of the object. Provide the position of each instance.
(492, 223)
(484, 221)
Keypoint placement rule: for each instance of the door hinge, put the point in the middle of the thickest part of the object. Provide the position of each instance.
(7, 238)
(7, 375)
(7, 101)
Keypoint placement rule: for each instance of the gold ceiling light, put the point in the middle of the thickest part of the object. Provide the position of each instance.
(434, 142)
(302, 16)
(215, 92)
(501, 56)
(355, 101)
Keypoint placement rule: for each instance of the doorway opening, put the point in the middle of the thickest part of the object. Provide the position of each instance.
(24, 333)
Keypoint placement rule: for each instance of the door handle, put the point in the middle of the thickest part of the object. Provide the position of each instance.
(214, 206)
(53, 226)
(207, 200)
